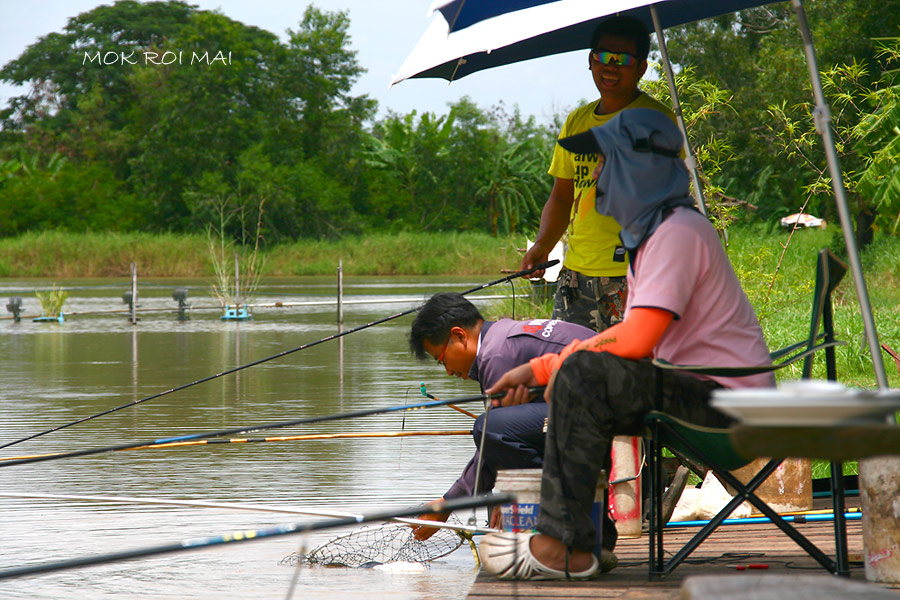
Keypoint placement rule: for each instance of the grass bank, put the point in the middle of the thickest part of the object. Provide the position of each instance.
(399, 254)
(62, 255)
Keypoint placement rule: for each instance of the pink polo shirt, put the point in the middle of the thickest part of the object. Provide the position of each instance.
(682, 268)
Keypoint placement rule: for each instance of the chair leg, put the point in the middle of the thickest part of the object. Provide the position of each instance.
(654, 521)
(840, 523)
(745, 492)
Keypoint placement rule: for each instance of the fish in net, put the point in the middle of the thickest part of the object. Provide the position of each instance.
(381, 544)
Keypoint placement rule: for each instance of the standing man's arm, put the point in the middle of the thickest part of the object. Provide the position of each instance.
(554, 221)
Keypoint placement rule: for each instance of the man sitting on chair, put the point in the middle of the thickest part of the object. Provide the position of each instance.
(684, 305)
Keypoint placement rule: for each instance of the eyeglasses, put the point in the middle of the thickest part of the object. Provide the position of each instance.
(440, 359)
(623, 59)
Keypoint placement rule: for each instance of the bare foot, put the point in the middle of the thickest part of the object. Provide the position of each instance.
(552, 553)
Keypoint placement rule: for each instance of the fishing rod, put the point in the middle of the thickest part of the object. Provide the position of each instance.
(424, 392)
(281, 438)
(258, 534)
(242, 506)
(850, 515)
(509, 277)
(238, 430)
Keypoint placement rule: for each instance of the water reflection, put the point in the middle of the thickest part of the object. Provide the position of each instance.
(56, 373)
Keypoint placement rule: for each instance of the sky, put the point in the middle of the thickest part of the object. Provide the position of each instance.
(383, 32)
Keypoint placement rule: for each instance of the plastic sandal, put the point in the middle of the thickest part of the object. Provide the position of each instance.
(508, 555)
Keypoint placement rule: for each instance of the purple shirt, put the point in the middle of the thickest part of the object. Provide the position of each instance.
(505, 344)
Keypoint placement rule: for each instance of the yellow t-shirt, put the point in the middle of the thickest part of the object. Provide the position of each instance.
(593, 238)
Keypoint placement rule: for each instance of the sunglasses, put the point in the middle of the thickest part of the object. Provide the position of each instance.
(440, 359)
(623, 59)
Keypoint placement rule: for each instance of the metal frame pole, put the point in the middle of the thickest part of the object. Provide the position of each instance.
(822, 115)
(689, 159)
(134, 294)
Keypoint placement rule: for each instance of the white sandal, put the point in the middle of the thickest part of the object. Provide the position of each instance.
(508, 555)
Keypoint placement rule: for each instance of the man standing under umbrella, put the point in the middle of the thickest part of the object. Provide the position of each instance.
(591, 288)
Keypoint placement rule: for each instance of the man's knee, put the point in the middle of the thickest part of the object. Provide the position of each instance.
(478, 427)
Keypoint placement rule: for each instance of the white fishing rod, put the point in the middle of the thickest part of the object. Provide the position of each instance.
(247, 506)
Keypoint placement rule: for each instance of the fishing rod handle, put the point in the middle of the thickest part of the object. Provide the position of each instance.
(532, 390)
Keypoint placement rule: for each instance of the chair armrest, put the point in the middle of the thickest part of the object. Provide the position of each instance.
(743, 371)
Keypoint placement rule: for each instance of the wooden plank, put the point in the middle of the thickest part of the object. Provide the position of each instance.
(729, 545)
(780, 587)
(849, 442)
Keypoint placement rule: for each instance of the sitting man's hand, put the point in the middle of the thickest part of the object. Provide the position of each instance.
(516, 381)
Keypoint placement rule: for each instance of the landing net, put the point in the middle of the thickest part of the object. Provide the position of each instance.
(380, 544)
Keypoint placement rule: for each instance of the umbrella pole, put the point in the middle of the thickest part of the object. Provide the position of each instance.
(822, 116)
(689, 159)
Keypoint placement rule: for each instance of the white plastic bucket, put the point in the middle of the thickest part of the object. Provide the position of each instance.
(625, 498)
(523, 514)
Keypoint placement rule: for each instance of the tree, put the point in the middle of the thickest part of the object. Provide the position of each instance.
(173, 102)
(60, 74)
(510, 191)
(190, 120)
(320, 71)
(757, 55)
(410, 148)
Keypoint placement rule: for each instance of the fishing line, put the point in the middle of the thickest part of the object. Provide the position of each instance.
(255, 534)
(472, 520)
(252, 428)
(273, 357)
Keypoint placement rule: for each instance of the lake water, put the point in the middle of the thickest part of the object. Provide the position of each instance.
(55, 373)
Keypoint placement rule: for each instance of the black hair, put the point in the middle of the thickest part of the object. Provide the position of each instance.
(441, 313)
(624, 27)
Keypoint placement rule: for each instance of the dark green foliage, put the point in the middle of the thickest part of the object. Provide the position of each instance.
(758, 55)
(264, 134)
(267, 138)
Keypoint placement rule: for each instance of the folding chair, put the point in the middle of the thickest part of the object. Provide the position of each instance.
(714, 449)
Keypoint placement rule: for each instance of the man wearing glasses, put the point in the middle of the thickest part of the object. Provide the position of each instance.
(451, 330)
(591, 289)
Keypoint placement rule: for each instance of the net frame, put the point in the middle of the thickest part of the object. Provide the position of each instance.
(381, 544)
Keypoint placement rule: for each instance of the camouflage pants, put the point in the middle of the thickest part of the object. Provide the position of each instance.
(596, 396)
(595, 302)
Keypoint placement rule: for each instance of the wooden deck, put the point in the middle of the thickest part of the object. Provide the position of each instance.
(729, 545)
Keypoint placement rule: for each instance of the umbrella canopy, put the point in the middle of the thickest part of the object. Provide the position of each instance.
(543, 28)
(459, 14)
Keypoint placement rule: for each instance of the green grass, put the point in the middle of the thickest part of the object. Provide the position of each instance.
(62, 255)
(782, 296)
(399, 254)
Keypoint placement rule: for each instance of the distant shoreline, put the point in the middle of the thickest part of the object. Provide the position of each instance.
(63, 255)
